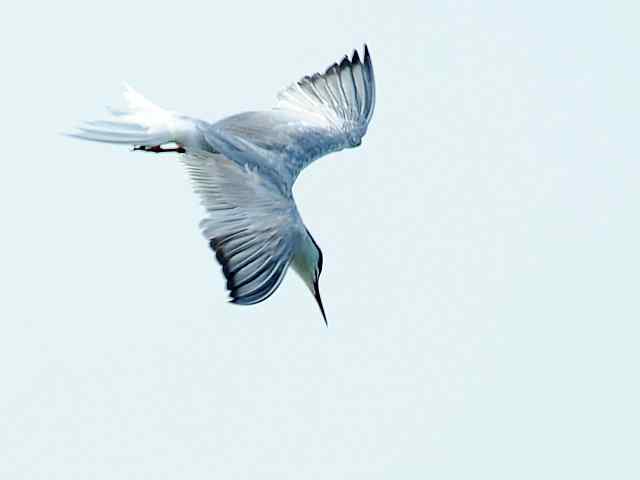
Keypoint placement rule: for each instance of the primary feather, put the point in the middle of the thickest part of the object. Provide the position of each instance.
(243, 168)
(252, 227)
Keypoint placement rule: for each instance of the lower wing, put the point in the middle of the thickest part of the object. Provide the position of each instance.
(250, 225)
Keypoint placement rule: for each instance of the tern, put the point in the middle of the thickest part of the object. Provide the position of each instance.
(243, 168)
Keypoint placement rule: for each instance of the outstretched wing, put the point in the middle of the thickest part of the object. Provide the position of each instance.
(319, 114)
(250, 225)
(344, 96)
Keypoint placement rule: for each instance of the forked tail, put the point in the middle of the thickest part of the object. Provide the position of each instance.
(142, 124)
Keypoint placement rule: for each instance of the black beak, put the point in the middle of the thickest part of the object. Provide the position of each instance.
(316, 294)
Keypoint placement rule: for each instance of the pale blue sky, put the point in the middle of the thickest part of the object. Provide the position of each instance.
(481, 249)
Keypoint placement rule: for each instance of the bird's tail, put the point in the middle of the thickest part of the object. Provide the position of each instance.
(141, 123)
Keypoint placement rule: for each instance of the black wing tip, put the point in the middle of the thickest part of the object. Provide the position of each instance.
(237, 301)
(333, 68)
(242, 300)
(274, 276)
(346, 62)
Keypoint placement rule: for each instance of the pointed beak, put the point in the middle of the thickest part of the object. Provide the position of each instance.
(316, 294)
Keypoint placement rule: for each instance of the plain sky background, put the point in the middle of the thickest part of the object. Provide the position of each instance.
(481, 249)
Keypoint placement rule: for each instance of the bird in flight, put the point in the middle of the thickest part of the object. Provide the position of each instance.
(243, 168)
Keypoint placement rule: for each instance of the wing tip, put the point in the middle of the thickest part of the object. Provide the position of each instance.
(367, 56)
(355, 58)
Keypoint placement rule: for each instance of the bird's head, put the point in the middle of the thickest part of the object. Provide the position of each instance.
(307, 262)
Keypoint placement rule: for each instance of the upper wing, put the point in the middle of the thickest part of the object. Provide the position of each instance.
(250, 225)
(344, 96)
(319, 114)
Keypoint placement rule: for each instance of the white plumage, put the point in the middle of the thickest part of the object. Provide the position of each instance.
(243, 168)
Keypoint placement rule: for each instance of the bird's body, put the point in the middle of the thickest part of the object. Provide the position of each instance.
(243, 168)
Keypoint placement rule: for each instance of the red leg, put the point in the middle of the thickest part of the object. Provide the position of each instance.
(159, 149)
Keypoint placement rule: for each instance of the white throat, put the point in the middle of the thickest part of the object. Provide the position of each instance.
(305, 262)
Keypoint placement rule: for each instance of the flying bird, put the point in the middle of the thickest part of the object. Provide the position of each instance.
(243, 168)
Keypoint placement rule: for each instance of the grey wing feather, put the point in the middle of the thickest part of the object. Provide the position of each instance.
(344, 95)
(319, 114)
(250, 225)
